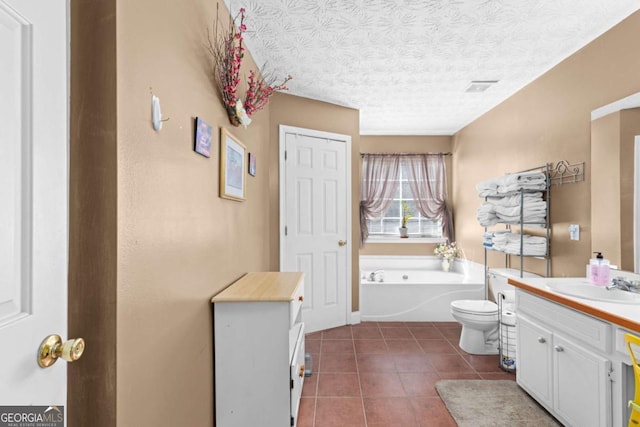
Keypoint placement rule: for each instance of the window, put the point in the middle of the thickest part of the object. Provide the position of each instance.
(389, 223)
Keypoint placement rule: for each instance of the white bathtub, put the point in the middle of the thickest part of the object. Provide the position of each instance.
(415, 289)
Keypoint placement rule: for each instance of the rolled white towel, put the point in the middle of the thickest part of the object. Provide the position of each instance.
(523, 178)
(515, 199)
(512, 188)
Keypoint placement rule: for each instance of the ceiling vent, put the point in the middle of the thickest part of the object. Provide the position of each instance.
(480, 85)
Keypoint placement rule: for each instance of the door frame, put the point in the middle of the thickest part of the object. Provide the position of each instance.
(636, 204)
(282, 131)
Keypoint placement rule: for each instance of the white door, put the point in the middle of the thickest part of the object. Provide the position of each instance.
(315, 203)
(33, 195)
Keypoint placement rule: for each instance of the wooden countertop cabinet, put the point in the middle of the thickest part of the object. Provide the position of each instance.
(258, 336)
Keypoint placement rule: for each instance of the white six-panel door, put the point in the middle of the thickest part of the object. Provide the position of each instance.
(33, 196)
(315, 222)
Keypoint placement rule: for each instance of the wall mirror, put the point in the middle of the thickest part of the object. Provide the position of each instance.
(615, 182)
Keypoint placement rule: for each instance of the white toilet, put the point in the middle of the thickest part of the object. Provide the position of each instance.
(479, 318)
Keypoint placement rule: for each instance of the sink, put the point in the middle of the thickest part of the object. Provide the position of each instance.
(596, 293)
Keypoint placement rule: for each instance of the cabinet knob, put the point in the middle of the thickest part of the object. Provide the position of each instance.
(558, 348)
(301, 298)
(541, 340)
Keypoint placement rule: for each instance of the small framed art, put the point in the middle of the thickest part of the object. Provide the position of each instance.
(202, 141)
(252, 164)
(233, 164)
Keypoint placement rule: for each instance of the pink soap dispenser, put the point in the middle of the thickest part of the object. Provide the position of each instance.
(599, 270)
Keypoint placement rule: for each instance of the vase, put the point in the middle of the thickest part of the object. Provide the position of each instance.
(404, 232)
(446, 264)
(233, 117)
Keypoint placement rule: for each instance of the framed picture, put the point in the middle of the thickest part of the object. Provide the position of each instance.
(202, 140)
(233, 165)
(252, 164)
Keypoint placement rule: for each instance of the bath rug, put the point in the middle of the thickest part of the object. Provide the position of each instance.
(489, 403)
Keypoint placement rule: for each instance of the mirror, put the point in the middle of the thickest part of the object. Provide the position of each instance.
(615, 192)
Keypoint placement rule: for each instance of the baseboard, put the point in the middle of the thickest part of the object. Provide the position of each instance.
(354, 318)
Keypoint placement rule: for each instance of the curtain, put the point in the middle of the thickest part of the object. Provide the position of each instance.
(428, 182)
(380, 177)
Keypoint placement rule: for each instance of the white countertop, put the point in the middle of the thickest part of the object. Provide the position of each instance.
(623, 314)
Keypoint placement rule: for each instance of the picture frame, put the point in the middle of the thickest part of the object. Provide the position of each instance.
(202, 138)
(252, 164)
(233, 164)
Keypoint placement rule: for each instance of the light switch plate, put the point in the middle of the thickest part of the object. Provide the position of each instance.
(574, 232)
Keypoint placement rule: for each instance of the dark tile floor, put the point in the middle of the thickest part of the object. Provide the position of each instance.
(384, 373)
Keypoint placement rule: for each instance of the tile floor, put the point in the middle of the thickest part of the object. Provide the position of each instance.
(383, 374)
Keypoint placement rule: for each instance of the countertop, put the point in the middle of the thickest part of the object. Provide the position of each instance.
(262, 286)
(625, 315)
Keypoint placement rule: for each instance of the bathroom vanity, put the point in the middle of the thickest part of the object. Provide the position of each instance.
(259, 350)
(571, 355)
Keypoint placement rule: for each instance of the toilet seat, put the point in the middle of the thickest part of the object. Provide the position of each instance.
(477, 307)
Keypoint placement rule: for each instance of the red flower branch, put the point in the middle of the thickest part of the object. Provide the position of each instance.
(228, 52)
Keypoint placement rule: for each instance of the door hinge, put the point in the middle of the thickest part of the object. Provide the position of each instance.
(610, 375)
(291, 384)
(286, 230)
(292, 421)
(285, 155)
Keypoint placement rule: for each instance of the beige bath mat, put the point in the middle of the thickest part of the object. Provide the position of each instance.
(487, 403)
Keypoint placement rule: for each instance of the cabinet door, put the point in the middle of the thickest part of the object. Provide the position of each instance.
(533, 358)
(582, 389)
(297, 376)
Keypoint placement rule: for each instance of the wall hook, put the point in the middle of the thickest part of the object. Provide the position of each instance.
(156, 113)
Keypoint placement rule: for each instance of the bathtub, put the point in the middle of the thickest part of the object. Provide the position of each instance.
(415, 289)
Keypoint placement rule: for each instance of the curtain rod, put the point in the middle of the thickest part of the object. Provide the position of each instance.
(408, 154)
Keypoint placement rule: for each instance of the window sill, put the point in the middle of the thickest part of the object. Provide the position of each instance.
(398, 240)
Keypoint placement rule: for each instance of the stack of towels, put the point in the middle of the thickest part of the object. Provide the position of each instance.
(489, 237)
(511, 184)
(510, 243)
(506, 209)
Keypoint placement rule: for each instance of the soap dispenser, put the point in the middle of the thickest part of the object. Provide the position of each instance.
(599, 270)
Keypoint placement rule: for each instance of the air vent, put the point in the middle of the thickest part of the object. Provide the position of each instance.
(480, 85)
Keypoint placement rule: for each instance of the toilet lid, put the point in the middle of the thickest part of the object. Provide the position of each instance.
(475, 306)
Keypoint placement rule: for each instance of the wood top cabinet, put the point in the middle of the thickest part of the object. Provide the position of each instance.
(258, 337)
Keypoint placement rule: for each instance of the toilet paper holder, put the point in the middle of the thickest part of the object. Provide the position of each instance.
(506, 332)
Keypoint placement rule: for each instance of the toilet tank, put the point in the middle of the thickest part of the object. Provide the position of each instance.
(498, 281)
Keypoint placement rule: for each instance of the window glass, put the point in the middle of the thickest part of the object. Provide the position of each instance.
(418, 226)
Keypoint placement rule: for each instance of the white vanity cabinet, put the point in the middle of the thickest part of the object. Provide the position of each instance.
(258, 337)
(563, 361)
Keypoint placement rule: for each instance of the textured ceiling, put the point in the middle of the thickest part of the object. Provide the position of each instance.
(405, 64)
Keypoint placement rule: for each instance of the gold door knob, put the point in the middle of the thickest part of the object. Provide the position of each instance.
(52, 348)
(301, 371)
(342, 242)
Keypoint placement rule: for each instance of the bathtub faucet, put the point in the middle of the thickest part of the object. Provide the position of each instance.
(374, 274)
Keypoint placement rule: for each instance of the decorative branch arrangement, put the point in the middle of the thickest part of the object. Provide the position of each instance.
(228, 52)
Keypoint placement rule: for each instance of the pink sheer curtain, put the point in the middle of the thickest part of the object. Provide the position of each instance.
(428, 182)
(380, 176)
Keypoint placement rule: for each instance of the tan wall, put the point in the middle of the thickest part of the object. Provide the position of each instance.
(612, 187)
(547, 121)
(306, 113)
(405, 144)
(151, 239)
